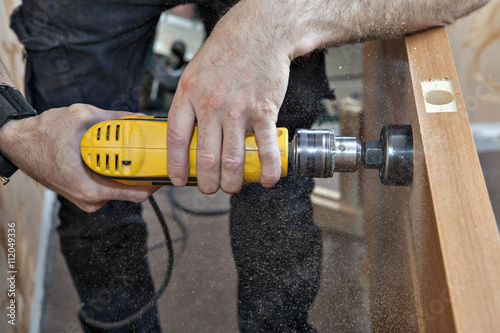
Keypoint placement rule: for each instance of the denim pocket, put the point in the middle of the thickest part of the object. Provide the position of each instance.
(49, 80)
(31, 41)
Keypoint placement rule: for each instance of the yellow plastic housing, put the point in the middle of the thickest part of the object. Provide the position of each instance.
(133, 151)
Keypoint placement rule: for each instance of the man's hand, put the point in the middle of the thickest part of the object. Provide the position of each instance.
(233, 86)
(47, 148)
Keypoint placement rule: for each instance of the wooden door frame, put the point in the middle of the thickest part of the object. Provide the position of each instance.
(433, 248)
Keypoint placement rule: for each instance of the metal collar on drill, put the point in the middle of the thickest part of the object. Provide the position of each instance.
(318, 153)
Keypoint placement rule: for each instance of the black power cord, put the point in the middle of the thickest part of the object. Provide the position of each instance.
(175, 204)
(177, 217)
(170, 264)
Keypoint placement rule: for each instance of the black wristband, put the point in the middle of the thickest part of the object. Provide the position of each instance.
(7, 169)
(12, 106)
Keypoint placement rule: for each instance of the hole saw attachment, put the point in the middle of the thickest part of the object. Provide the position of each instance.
(133, 151)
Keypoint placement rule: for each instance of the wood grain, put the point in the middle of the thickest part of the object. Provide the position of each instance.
(433, 248)
(20, 202)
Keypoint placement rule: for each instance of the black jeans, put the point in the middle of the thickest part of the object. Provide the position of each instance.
(92, 51)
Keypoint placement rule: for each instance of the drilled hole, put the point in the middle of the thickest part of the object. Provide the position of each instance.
(439, 97)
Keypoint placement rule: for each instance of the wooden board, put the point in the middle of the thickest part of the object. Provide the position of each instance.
(433, 248)
(21, 203)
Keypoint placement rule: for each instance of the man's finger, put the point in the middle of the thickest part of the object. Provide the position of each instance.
(103, 189)
(208, 154)
(233, 158)
(181, 120)
(133, 193)
(269, 155)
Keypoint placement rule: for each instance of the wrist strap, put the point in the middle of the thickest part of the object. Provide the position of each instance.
(7, 169)
(13, 105)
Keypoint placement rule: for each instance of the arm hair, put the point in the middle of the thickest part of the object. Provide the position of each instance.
(315, 24)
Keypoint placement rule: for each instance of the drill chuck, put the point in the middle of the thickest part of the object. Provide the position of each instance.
(318, 153)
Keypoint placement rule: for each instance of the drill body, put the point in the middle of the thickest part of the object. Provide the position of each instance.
(133, 151)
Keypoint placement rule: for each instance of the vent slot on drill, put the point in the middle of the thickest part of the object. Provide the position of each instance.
(107, 132)
(117, 132)
(98, 161)
(98, 134)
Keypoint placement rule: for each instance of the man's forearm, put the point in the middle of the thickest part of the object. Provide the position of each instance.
(315, 24)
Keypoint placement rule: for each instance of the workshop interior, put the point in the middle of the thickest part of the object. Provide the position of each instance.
(406, 161)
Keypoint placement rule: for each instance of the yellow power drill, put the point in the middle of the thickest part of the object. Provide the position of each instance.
(133, 151)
